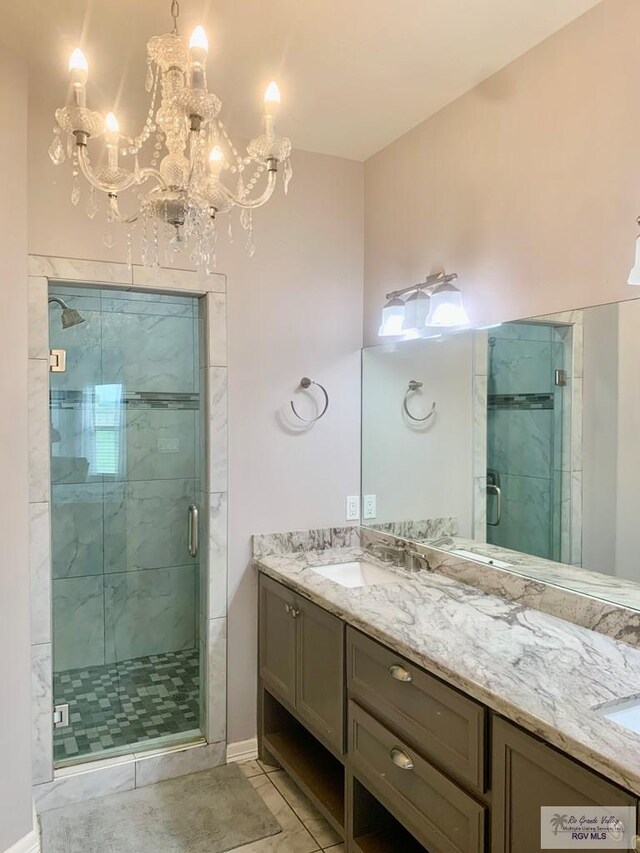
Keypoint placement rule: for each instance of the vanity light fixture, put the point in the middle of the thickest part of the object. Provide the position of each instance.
(416, 311)
(447, 307)
(182, 190)
(392, 318)
(634, 275)
(434, 302)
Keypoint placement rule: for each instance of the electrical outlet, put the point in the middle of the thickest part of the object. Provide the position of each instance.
(168, 445)
(353, 508)
(369, 507)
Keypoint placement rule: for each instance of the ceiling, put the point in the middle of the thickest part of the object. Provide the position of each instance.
(354, 74)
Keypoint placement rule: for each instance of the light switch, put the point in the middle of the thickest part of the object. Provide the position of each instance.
(353, 508)
(369, 507)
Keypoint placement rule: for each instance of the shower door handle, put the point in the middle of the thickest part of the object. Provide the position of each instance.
(193, 530)
(492, 489)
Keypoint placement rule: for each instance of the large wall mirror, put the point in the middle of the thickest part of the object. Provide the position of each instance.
(517, 445)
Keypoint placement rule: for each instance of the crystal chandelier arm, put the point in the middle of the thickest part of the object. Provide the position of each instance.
(250, 204)
(114, 210)
(119, 186)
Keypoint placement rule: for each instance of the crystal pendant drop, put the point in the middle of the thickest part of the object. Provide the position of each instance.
(75, 190)
(148, 83)
(136, 169)
(230, 231)
(108, 237)
(129, 251)
(250, 246)
(288, 174)
(92, 204)
(245, 218)
(56, 150)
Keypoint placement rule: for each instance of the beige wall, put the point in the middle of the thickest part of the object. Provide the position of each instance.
(528, 186)
(15, 737)
(295, 309)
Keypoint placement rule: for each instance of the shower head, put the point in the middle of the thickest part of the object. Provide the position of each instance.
(70, 317)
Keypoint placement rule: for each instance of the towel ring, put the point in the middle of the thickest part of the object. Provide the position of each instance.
(305, 383)
(415, 386)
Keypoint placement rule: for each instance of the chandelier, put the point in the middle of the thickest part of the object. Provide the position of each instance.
(194, 171)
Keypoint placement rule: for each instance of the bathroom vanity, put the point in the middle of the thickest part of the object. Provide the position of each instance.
(420, 714)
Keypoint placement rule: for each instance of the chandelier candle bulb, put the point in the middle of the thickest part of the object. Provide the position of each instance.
(271, 107)
(216, 161)
(111, 138)
(78, 73)
(198, 50)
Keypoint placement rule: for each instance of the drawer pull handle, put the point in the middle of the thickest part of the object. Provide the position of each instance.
(400, 673)
(294, 612)
(400, 758)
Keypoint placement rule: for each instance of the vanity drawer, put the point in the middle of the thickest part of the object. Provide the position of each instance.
(441, 723)
(439, 813)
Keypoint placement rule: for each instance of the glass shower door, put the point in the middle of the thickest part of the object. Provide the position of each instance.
(125, 466)
(527, 366)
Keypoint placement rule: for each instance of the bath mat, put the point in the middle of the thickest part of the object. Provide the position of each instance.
(208, 812)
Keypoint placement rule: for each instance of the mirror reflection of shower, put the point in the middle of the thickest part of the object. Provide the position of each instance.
(70, 317)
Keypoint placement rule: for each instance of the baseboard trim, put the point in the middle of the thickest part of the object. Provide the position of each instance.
(242, 750)
(29, 844)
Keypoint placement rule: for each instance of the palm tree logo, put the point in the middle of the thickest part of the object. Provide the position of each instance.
(557, 822)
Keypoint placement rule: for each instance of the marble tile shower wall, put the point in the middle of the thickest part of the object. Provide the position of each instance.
(123, 477)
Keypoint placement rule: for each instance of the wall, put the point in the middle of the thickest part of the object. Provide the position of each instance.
(528, 186)
(294, 309)
(15, 736)
(600, 437)
(419, 471)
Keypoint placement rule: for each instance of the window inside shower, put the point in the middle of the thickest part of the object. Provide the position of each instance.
(126, 461)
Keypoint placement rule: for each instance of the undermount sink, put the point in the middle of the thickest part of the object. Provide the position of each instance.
(480, 558)
(357, 573)
(625, 713)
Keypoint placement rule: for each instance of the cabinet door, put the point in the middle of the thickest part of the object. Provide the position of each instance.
(320, 684)
(527, 774)
(277, 640)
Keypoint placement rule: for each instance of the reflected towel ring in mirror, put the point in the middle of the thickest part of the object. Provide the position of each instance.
(305, 383)
(415, 386)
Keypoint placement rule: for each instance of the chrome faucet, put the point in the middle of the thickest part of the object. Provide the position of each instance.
(388, 553)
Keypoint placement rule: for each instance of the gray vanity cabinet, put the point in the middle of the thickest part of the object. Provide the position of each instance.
(528, 774)
(302, 660)
(277, 640)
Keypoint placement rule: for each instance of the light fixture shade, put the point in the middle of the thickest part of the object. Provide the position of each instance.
(416, 310)
(447, 307)
(634, 275)
(392, 318)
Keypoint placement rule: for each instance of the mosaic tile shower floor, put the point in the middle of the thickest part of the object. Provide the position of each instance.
(120, 705)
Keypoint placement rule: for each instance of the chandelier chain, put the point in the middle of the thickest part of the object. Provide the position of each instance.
(175, 11)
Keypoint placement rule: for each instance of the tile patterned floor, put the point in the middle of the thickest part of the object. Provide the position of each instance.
(123, 704)
(304, 830)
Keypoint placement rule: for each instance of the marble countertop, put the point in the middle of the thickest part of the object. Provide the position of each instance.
(541, 672)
